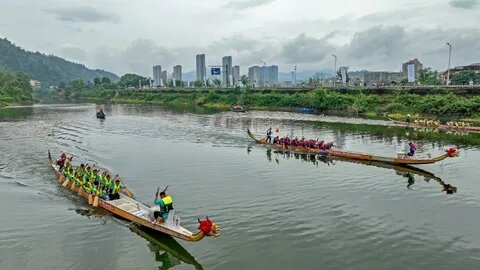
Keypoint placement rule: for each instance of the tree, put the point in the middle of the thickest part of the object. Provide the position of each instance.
(245, 80)
(427, 76)
(131, 80)
(62, 85)
(465, 77)
(106, 80)
(97, 81)
(198, 84)
(217, 82)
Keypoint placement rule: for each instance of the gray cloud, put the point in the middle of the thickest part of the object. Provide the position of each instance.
(82, 14)
(303, 49)
(466, 4)
(246, 4)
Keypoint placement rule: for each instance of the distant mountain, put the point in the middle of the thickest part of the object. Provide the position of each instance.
(48, 69)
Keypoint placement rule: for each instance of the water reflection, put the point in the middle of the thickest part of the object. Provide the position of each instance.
(406, 172)
(15, 113)
(166, 249)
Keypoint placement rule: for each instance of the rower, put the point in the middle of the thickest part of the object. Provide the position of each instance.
(87, 186)
(115, 188)
(166, 204)
(61, 161)
(408, 118)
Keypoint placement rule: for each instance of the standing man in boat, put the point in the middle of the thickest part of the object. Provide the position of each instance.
(166, 204)
(269, 135)
(408, 118)
(412, 149)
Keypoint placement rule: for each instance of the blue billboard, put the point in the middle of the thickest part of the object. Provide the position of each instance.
(216, 71)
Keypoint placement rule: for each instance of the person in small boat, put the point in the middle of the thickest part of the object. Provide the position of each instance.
(412, 149)
(409, 118)
(115, 188)
(276, 140)
(166, 204)
(269, 135)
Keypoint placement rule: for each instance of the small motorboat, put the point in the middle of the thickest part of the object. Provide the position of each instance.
(237, 108)
(305, 110)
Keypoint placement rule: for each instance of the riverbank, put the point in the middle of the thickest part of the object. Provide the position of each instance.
(393, 104)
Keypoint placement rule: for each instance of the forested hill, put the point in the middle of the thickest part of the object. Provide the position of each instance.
(48, 69)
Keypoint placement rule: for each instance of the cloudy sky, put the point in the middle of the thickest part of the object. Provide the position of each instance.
(131, 36)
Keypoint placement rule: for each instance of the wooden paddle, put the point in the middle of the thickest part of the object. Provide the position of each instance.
(61, 178)
(129, 194)
(95, 201)
(80, 191)
(90, 199)
(65, 184)
(73, 185)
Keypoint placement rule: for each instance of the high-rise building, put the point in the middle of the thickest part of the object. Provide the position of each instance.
(227, 70)
(253, 75)
(268, 75)
(272, 75)
(164, 78)
(417, 67)
(157, 75)
(235, 75)
(201, 67)
(177, 73)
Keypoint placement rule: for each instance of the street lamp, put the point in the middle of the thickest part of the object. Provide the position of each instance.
(335, 70)
(449, 57)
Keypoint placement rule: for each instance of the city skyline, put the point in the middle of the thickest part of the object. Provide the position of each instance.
(303, 34)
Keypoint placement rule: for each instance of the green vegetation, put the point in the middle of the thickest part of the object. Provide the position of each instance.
(465, 77)
(14, 88)
(399, 102)
(427, 76)
(48, 69)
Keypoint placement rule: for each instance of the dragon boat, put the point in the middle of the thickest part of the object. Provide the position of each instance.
(441, 127)
(139, 213)
(401, 159)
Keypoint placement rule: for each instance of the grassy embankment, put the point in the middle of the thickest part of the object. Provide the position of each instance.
(394, 105)
(14, 89)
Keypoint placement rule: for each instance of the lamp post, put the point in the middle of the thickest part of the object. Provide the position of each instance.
(449, 57)
(335, 70)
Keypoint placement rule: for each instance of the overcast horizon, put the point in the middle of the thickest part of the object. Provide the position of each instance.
(132, 37)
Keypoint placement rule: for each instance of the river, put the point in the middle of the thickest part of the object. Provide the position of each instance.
(277, 211)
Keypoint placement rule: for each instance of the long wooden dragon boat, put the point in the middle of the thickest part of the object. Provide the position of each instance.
(441, 127)
(141, 214)
(401, 160)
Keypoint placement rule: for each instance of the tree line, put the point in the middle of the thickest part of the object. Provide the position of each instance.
(15, 88)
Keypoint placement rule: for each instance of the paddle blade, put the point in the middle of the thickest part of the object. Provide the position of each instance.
(65, 184)
(73, 186)
(80, 192)
(61, 178)
(95, 201)
(90, 199)
(129, 194)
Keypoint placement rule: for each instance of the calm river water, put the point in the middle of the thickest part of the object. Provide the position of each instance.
(277, 211)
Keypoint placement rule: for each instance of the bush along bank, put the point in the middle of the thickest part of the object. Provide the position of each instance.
(399, 103)
(15, 88)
